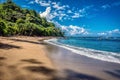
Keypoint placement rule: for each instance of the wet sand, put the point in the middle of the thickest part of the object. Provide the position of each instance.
(24, 58)
(72, 66)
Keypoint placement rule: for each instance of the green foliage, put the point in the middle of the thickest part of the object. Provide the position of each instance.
(2, 28)
(17, 21)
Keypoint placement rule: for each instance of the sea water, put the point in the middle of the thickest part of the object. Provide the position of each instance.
(106, 49)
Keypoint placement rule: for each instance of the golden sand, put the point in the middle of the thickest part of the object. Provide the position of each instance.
(24, 58)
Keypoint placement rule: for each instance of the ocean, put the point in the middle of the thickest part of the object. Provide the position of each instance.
(105, 49)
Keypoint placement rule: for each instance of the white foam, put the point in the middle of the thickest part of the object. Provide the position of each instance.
(96, 54)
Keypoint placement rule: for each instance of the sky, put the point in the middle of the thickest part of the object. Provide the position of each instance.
(79, 17)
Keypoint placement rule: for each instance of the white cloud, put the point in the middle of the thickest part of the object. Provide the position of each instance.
(46, 14)
(50, 15)
(59, 11)
(82, 12)
(114, 4)
(58, 7)
(110, 33)
(117, 31)
(102, 34)
(69, 11)
(106, 6)
(43, 3)
(54, 3)
(37, 1)
(31, 2)
(74, 30)
(78, 15)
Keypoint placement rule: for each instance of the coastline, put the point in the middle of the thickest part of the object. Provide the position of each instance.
(25, 58)
(29, 58)
(72, 66)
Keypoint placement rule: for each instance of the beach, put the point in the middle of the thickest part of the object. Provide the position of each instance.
(72, 66)
(29, 58)
(25, 58)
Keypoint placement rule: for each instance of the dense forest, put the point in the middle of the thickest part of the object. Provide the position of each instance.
(15, 20)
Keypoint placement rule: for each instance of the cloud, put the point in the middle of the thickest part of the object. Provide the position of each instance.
(59, 12)
(43, 3)
(115, 32)
(78, 15)
(58, 7)
(69, 11)
(31, 2)
(74, 30)
(102, 34)
(106, 6)
(82, 12)
(46, 13)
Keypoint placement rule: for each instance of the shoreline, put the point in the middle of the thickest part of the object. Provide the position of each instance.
(24, 56)
(101, 55)
(73, 66)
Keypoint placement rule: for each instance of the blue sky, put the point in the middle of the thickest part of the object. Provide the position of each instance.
(79, 17)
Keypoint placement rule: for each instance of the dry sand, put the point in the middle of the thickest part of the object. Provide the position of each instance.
(24, 58)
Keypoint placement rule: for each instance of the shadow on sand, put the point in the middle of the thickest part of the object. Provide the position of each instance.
(115, 73)
(32, 61)
(70, 75)
(8, 46)
(40, 42)
(2, 58)
(40, 69)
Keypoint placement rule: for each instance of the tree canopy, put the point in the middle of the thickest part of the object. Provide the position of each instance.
(15, 20)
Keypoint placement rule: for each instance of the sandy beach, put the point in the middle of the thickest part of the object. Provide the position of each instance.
(24, 58)
(29, 58)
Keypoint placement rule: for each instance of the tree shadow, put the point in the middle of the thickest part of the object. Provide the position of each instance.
(33, 61)
(40, 69)
(72, 75)
(2, 58)
(28, 41)
(8, 46)
(115, 73)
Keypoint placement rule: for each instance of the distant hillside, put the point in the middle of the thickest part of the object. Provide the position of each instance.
(17, 21)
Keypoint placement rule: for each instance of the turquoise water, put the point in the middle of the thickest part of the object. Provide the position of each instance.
(97, 48)
(111, 45)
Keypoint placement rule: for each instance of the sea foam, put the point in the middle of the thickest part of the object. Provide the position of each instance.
(91, 53)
